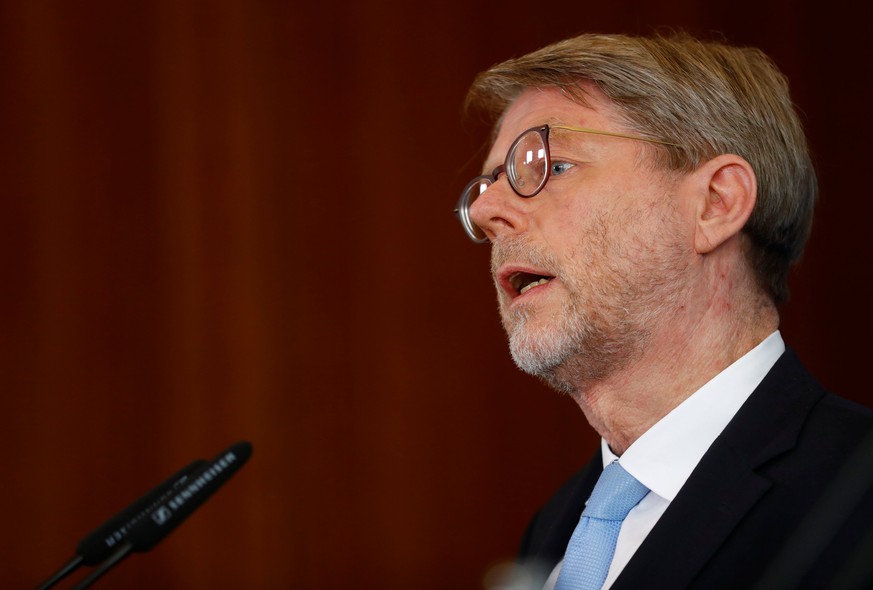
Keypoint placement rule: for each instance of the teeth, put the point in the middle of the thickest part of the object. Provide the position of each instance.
(530, 286)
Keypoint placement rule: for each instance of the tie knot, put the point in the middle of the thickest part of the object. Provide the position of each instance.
(616, 492)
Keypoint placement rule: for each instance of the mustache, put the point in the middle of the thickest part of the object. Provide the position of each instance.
(519, 250)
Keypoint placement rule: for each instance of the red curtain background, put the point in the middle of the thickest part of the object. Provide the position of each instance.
(232, 220)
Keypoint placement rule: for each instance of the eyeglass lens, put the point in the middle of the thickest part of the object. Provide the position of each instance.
(476, 188)
(526, 163)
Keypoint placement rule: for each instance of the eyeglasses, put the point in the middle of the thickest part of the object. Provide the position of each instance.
(528, 166)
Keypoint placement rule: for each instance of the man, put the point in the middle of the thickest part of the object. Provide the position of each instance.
(644, 198)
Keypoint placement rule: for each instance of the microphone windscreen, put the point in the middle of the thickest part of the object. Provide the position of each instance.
(199, 486)
(97, 545)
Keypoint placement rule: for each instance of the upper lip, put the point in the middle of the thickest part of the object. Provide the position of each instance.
(512, 278)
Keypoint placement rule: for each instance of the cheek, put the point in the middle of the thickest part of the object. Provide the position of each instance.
(596, 215)
(612, 214)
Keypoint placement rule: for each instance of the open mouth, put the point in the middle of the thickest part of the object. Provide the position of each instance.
(522, 282)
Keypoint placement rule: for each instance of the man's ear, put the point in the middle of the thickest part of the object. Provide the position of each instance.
(727, 189)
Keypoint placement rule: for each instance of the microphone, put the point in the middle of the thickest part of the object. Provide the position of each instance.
(98, 544)
(171, 512)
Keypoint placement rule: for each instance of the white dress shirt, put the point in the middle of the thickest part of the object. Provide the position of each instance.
(663, 458)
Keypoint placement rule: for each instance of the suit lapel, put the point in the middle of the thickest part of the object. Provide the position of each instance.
(690, 531)
(724, 486)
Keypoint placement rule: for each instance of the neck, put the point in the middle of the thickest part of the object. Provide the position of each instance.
(692, 346)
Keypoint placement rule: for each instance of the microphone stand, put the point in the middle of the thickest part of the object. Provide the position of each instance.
(62, 573)
(123, 550)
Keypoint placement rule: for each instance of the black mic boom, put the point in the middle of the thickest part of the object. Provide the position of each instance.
(167, 515)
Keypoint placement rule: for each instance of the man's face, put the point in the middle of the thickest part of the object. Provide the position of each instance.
(587, 270)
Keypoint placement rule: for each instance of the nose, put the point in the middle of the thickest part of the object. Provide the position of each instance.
(499, 211)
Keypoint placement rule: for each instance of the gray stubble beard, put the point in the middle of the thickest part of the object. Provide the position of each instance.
(570, 351)
(598, 330)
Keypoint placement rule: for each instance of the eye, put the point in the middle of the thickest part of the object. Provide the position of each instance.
(558, 168)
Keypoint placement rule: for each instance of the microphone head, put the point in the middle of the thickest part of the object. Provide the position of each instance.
(98, 544)
(197, 488)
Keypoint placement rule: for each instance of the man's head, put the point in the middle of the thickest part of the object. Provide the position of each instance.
(707, 99)
(665, 172)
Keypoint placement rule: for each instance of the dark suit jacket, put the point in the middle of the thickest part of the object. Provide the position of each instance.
(782, 499)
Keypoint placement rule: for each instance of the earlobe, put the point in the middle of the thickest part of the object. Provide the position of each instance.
(728, 189)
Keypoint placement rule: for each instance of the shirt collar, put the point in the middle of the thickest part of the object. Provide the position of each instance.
(663, 458)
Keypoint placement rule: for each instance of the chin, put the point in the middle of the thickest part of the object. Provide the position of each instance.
(539, 351)
(546, 366)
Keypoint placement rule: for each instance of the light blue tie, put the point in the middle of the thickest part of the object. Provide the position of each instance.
(590, 550)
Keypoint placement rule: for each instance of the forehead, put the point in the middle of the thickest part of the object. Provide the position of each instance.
(539, 106)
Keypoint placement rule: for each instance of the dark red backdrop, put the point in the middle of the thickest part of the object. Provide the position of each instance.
(232, 220)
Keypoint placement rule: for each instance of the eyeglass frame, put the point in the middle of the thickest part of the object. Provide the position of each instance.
(462, 209)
